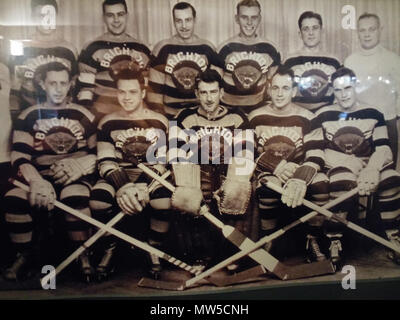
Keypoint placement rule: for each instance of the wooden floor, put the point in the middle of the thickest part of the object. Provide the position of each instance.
(371, 267)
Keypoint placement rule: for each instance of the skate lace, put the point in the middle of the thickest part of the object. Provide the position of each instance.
(84, 260)
(154, 259)
(312, 242)
(108, 253)
(335, 248)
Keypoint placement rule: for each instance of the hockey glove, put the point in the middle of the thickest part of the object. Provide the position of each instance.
(368, 181)
(68, 170)
(285, 170)
(42, 194)
(294, 192)
(132, 198)
(187, 199)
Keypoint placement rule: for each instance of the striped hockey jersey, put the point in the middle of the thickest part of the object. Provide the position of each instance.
(96, 88)
(312, 75)
(121, 138)
(25, 89)
(282, 137)
(359, 133)
(196, 139)
(173, 71)
(245, 66)
(44, 135)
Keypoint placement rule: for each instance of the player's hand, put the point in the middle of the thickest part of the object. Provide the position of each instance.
(42, 194)
(285, 170)
(294, 192)
(368, 181)
(131, 198)
(66, 171)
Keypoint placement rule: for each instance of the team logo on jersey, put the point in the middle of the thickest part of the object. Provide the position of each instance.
(59, 140)
(314, 84)
(246, 75)
(110, 54)
(135, 142)
(215, 143)
(184, 68)
(59, 135)
(28, 70)
(348, 140)
(279, 147)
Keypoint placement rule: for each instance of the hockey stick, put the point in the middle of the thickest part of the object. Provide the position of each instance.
(142, 245)
(347, 223)
(90, 241)
(242, 242)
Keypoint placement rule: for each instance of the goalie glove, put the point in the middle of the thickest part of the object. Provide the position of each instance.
(132, 198)
(68, 170)
(234, 195)
(294, 192)
(285, 170)
(187, 199)
(368, 181)
(41, 194)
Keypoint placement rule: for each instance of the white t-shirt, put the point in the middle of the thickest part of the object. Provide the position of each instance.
(5, 117)
(378, 75)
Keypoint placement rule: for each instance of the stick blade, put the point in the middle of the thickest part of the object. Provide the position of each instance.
(159, 284)
(307, 270)
(244, 276)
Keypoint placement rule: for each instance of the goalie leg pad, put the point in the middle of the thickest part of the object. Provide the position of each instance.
(187, 199)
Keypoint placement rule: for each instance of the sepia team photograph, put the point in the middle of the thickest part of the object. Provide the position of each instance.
(199, 149)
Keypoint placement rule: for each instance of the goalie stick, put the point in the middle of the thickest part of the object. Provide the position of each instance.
(242, 242)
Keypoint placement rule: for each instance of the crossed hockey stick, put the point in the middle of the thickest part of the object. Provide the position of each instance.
(107, 228)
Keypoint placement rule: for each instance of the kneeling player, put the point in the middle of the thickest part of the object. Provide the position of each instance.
(53, 150)
(353, 144)
(124, 137)
(206, 134)
(282, 129)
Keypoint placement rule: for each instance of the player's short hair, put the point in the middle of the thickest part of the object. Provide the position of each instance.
(183, 6)
(342, 72)
(283, 70)
(52, 66)
(309, 15)
(114, 2)
(248, 3)
(209, 76)
(366, 15)
(36, 3)
(123, 67)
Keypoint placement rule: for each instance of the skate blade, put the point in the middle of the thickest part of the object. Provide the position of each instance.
(159, 284)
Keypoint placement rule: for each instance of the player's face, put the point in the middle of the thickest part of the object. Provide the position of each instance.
(209, 95)
(310, 32)
(248, 19)
(282, 91)
(345, 93)
(184, 23)
(56, 85)
(369, 33)
(115, 18)
(130, 95)
(44, 17)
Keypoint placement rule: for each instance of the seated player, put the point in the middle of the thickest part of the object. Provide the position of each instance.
(124, 137)
(53, 150)
(351, 141)
(205, 134)
(281, 131)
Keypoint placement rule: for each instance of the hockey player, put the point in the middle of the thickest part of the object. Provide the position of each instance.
(95, 87)
(350, 139)
(378, 73)
(124, 137)
(53, 150)
(46, 46)
(176, 63)
(282, 129)
(208, 130)
(248, 60)
(311, 65)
